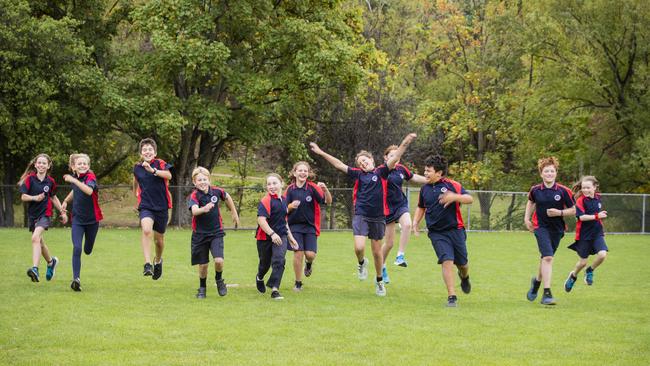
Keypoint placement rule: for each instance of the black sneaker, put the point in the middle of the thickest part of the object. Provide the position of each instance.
(200, 293)
(221, 287)
(307, 270)
(452, 301)
(148, 269)
(275, 295)
(75, 285)
(157, 270)
(33, 274)
(298, 286)
(465, 285)
(260, 285)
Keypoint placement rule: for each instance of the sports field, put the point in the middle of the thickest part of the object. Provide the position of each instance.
(122, 317)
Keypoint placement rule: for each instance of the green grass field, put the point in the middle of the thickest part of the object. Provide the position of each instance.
(122, 317)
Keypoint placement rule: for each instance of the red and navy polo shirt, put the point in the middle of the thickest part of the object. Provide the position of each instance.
(85, 208)
(395, 197)
(209, 222)
(153, 191)
(369, 193)
(33, 186)
(558, 196)
(588, 230)
(438, 217)
(306, 218)
(274, 208)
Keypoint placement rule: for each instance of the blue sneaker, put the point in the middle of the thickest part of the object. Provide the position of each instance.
(532, 294)
(33, 274)
(589, 277)
(548, 300)
(51, 269)
(400, 261)
(570, 281)
(384, 275)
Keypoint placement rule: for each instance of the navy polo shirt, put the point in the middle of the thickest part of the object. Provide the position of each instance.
(209, 222)
(306, 218)
(153, 191)
(558, 196)
(395, 196)
(274, 208)
(438, 217)
(33, 186)
(85, 208)
(588, 230)
(369, 193)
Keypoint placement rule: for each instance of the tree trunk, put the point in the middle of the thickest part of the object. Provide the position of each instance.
(511, 209)
(485, 200)
(9, 181)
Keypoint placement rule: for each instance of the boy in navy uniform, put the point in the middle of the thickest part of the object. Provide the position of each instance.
(207, 228)
(151, 188)
(439, 203)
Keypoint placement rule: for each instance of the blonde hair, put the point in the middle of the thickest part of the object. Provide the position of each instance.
(544, 162)
(577, 188)
(200, 170)
(360, 154)
(31, 167)
(276, 175)
(390, 148)
(310, 173)
(73, 159)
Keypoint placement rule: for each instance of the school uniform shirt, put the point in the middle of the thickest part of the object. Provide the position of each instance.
(558, 196)
(306, 218)
(438, 217)
(209, 222)
(395, 197)
(85, 208)
(588, 230)
(33, 186)
(152, 191)
(274, 208)
(369, 193)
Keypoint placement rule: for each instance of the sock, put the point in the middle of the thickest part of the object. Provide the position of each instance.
(35, 268)
(202, 282)
(160, 261)
(536, 285)
(547, 292)
(298, 283)
(589, 269)
(400, 253)
(379, 279)
(217, 276)
(362, 261)
(308, 265)
(52, 261)
(573, 275)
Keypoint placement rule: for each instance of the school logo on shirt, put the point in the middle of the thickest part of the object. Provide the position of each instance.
(214, 199)
(557, 197)
(443, 189)
(600, 205)
(374, 178)
(401, 175)
(308, 198)
(46, 189)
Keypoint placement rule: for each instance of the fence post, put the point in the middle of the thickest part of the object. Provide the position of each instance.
(469, 215)
(178, 211)
(643, 214)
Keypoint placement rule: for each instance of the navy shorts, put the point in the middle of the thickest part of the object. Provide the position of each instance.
(203, 244)
(585, 248)
(450, 245)
(42, 221)
(306, 242)
(394, 217)
(159, 218)
(548, 241)
(372, 227)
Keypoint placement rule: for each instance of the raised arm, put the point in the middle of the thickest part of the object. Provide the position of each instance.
(328, 195)
(419, 179)
(400, 150)
(338, 164)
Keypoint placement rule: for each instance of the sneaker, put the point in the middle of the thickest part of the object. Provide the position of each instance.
(363, 270)
(260, 285)
(532, 295)
(298, 286)
(308, 270)
(200, 293)
(275, 295)
(51, 269)
(157, 270)
(33, 274)
(222, 289)
(380, 289)
(75, 285)
(465, 285)
(400, 261)
(384, 275)
(452, 301)
(548, 300)
(570, 281)
(589, 277)
(148, 270)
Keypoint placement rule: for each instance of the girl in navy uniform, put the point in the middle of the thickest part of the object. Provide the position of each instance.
(272, 236)
(590, 236)
(151, 187)
(304, 198)
(548, 202)
(207, 228)
(439, 203)
(370, 206)
(38, 189)
(86, 213)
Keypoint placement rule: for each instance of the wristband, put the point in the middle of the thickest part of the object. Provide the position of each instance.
(155, 171)
(272, 233)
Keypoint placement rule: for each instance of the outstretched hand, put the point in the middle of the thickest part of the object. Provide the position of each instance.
(314, 147)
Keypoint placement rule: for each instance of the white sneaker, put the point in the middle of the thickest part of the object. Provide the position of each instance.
(363, 270)
(380, 288)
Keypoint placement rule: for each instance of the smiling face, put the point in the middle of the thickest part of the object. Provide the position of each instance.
(588, 188)
(201, 182)
(42, 165)
(432, 176)
(273, 185)
(367, 164)
(147, 152)
(301, 172)
(548, 174)
(81, 165)
(390, 155)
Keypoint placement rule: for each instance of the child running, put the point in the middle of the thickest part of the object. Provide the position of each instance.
(370, 207)
(548, 202)
(590, 236)
(439, 203)
(207, 228)
(272, 236)
(305, 198)
(39, 189)
(151, 187)
(86, 213)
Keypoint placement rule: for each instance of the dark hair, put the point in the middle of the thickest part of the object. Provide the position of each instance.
(148, 141)
(437, 162)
